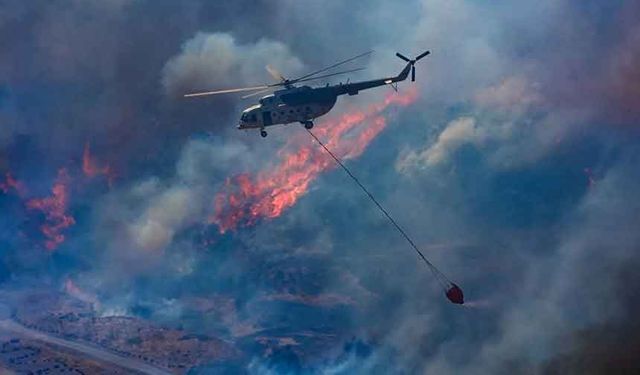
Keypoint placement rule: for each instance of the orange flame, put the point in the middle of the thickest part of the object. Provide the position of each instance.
(246, 199)
(11, 183)
(91, 168)
(54, 208)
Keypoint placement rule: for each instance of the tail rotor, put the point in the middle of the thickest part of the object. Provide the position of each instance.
(413, 62)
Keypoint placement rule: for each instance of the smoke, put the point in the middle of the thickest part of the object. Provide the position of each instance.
(583, 293)
(72, 289)
(457, 133)
(210, 61)
(522, 145)
(166, 215)
(606, 348)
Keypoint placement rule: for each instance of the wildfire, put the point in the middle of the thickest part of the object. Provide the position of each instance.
(73, 290)
(246, 199)
(91, 168)
(11, 183)
(54, 208)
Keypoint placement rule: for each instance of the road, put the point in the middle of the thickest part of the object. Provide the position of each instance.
(88, 350)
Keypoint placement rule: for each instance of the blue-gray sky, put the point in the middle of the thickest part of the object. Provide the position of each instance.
(515, 169)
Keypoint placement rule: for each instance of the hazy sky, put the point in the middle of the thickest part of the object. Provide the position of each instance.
(513, 161)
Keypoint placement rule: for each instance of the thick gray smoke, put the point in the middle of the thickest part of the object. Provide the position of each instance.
(216, 60)
(515, 170)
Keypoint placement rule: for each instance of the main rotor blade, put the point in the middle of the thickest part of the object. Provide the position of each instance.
(332, 74)
(257, 93)
(403, 57)
(332, 66)
(228, 91)
(422, 55)
(275, 73)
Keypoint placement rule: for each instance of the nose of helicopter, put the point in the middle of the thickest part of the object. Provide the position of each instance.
(242, 125)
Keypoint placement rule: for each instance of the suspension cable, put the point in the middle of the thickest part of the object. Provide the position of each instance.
(442, 279)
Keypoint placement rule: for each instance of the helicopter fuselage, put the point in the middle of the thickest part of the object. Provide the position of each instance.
(296, 104)
(303, 104)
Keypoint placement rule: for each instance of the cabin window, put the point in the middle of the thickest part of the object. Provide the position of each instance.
(253, 118)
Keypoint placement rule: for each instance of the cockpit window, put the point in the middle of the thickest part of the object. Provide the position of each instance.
(267, 99)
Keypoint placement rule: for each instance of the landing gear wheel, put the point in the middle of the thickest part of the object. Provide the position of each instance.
(308, 124)
(263, 133)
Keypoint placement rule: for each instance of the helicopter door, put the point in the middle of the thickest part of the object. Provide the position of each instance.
(266, 118)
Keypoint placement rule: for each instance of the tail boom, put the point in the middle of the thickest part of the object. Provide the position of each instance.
(354, 88)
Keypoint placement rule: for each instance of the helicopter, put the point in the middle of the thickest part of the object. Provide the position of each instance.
(290, 103)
